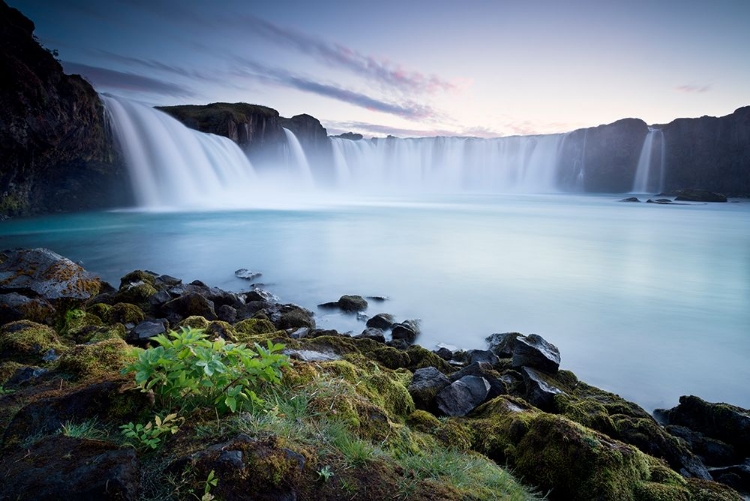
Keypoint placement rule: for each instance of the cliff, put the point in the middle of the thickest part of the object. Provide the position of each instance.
(55, 149)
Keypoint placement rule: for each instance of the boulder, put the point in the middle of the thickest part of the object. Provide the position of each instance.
(539, 392)
(346, 303)
(374, 334)
(425, 384)
(735, 476)
(484, 356)
(246, 274)
(381, 321)
(630, 199)
(41, 273)
(713, 452)
(14, 306)
(462, 396)
(533, 351)
(25, 341)
(77, 469)
(147, 329)
(482, 369)
(188, 305)
(407, 331)
(724, 422)
(503, 344)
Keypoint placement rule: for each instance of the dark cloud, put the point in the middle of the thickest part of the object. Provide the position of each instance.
(266, 74)
(337, 55)
(693, 89)
(103, 78)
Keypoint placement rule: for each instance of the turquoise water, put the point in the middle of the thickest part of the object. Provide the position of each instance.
(648, 301)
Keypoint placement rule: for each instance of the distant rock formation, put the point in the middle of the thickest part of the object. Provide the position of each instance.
(56, 150)
(352, 136)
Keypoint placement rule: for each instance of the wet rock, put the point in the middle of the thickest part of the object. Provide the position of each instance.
(188, 305)
(260, 295)
(14, 306)
(346, 303)
(374, 334)
(377, 299)
(444, 353)
(661, 201)
(630, 199)
(300, 333)
(407, 331)
(60, 467)
(24, 376)
(147, 329)
(227, 313)
(44, 274)
(381, 321)
(503, 344)
(485, 370)
(533, 351)
(246, 274)
(539, 392)
(721, 421)
(484, 356)
(735, 476)
(28, 342)
(699, 196)
(293, 317)
(713, 452)
(425, 384)
(462, 396)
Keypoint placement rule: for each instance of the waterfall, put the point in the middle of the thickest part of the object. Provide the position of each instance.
(444, 164)
(645, 179)
(172, 166)
(298, 160)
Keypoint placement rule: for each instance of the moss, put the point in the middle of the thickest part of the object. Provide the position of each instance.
(420, 357)
(78, 324)
(219, 328)
(88, 361)
(194, 322)
(389, 357)
(124, 313)
(651, 491)
(25, 341)
(101, 310)
(706, 490)
(614, 404)
(423, 421)
(135, 293)
(589, 413)
(253, 326)
(116, 331)
(137, 276)
(7, 369)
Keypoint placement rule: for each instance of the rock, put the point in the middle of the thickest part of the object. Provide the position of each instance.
(406, 331)
(227, 313)
(425, 384)
(300, 333)
(352, 303)
(374, 334)
(662, 201)
(246, 274)
(699, 196)
(503, 344)
(260, 295)
(721, 421)
(533, 351)
(381, 321)
(25, 341)
(482, 369)
(377, 299)
(539, 392)
(352, 136)
(41, 273)
(444, 353)
(293, 317)
(713, 452)
(126, 314)
(25, 375)
(147, 329)
(188, 305)
(462, 396)
(735, 476)
(630, 199)
(484, 356)
(60, 467)
(14, 306)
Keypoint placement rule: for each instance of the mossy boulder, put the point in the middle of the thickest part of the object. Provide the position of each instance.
(137, 293)
(420, 357)
(92, 361)
(220, 329)
(116, 331)
(124, 313)
(254, 326)
(138, 276)
(29, 342)
(79, 325)
(15, 306)
(194, 322)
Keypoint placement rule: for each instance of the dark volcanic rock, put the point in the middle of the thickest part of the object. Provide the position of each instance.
(352, 136)
(14, 306)
(484, 356)
(533, 351)
(713, 452)
(482, 369)
(539, 392)
(352, 303)
(425, 385)
(630, 199)
(381, 321)
(246, 274)
(147, 329)
(462, 396)
(55, 145)
(77, 469)
(699, 196)
(503, 344)
(406, 331)
(374, 334)
(724, 422)
(188, 305)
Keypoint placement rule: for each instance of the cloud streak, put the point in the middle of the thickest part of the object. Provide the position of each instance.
(261, 72)
(336, 55)
(112, 79)
(693, 89)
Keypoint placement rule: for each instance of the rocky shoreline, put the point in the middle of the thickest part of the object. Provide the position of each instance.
(66, 337)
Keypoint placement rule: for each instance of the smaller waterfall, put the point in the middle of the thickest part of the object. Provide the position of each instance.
(298, 160)
(645, 181)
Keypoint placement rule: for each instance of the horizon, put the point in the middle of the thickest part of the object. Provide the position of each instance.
(484, 69)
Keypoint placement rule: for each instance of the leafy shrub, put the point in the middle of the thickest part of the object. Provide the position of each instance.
(147, 436)
(189, 369)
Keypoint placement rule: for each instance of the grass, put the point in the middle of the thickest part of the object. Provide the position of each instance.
(89, 429)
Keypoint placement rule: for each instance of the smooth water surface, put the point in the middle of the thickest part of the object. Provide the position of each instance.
(648, 301)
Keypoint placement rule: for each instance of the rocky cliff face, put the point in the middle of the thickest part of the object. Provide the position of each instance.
(709, 153)
(55, 148)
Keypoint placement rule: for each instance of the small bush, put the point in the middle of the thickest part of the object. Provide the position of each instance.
(189, 370)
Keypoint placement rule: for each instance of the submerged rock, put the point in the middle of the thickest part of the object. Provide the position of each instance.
(630, 199)
(346, 303)
(246, 274)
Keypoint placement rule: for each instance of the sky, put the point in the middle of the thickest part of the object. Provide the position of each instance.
(415, 68)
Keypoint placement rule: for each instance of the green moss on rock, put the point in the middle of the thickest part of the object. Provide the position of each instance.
(420, 357)
(78, 324)
(116, 331)
(88, 361)
(28, 342)
(124, 313)
(194, 322)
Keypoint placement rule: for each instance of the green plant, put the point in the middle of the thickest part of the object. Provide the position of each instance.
(4, 391)
(211, 481)
(148, 436)
(86, 429)
(188, 368)
(325, 473)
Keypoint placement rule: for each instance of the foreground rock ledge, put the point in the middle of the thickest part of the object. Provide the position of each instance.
(510, 403)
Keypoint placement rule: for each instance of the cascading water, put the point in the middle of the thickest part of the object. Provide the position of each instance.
(646, 181)
(298, 160)
(172, 166)
(519, 163)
